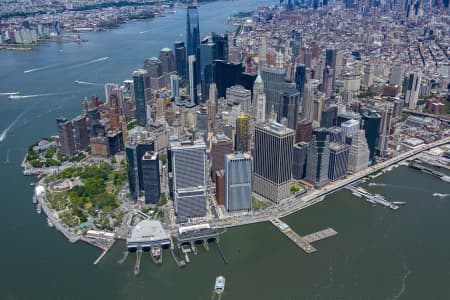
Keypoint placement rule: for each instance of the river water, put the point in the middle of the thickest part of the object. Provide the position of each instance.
(378, 254)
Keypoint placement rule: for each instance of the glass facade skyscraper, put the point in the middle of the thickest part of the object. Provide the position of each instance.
(139, 96)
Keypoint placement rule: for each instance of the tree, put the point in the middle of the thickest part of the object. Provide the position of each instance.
(295, 189)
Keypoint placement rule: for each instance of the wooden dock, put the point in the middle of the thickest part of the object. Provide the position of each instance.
(303, 243)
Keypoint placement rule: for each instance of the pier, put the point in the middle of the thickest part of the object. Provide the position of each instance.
(104, 252)
(371, 198)
(137, 266)
(303, 243)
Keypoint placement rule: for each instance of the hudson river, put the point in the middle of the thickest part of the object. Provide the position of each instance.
(378, 253)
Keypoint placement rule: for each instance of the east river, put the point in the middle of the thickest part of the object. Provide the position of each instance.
(378, 253)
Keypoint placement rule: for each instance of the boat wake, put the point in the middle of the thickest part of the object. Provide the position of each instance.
(8, 94)
(7, 129)
(87, 83)
(89, 62)
(377, 184)
(16, 96)
(403, 282)
(39, 69)
(142, 32)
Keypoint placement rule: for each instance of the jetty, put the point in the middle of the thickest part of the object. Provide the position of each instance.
(303, 243)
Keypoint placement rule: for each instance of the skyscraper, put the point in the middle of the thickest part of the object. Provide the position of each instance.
(273, 160)
(239, 94)
(81, 133)
(259, 100)
(317, 164)
(220, 146)
(333, 58)
(328, 74)
(348, 128)
(412, 89)
(370, 122)
(300, 77)
(167, 64)
(299, 160)
(338, 161)
(358, 157)
(303, 132)
(238, 181)
(139, 96)
(242, 133)
(66, 139)
(189, 179)
(289, 106)
(150, 176)
(180, 60)
(134, 153)
(193, 80)
(396, 77)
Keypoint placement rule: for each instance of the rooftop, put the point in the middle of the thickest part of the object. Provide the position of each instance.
(148, 231)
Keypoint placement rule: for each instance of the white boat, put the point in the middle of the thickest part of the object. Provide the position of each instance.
(34, 199)
(50, 224)
(38, 208)
(219, 286)
(440, 195)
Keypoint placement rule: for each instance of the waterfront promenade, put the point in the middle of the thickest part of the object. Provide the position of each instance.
(291, 205)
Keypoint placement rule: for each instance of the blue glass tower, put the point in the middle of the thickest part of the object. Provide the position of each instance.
(193, 48)
(139, 96)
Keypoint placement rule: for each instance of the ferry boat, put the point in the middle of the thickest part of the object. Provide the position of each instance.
(219, 286)
(399, 203)
(38, 208)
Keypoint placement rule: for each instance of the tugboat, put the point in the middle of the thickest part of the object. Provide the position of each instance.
(219, 287)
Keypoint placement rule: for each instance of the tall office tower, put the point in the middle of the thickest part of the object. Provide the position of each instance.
(168, 66)
(189, 179)
(369, 73)
(338, 161)
(336, 135)
(259, 100)
(327, 85)
(228, 74)
(318, 104)
(289, 106)
(150, 176)
(307, 58)
(242, 133)
(358, 157)
(318, 158)
(139, 96)
(299, 160)
(193, 47)
(239, 94)
(303, 132)
(412, 89)
(307, 103)
(385, 128)
(212, 106)
(94, 119)
(348, 116)
(333, 58)
(175, 88)
(192, 31)
(138, 151)
(397, 76)
(238, 181)
(221, 45)
(207, 56)
(349, 128)
(300, 77)
(132, 170)
(296, 43)
(329, 117)
(273, 160)
(155, 77)
(220, 146)
(274, 82)
(80, 132)
(66, 139)
(193, 80)
(110, 89)
(220, 186)
(370, 122)
(180, 60)
(114, 122)
(202, 121)
(115, 142)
